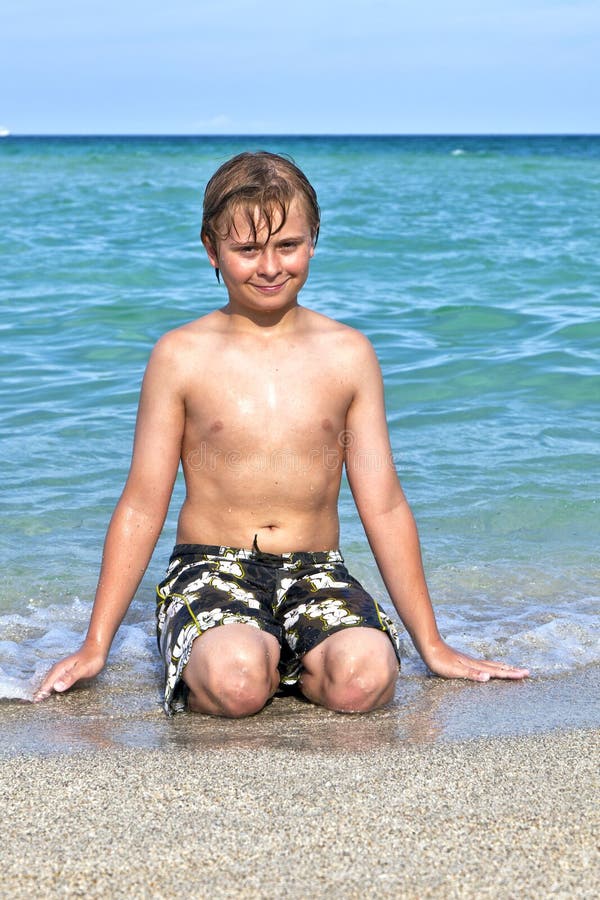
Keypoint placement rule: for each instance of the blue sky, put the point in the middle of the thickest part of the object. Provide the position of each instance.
(315, 66)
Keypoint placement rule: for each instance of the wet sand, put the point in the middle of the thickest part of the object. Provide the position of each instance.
(428, 798)
(512, 817)
(112, 713)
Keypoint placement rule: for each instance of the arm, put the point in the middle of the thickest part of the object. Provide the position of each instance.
(391, 528)
(138, 517)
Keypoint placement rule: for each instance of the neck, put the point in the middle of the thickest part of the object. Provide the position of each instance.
(265, 321)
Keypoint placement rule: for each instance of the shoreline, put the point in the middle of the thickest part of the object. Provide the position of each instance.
(510, 816)
(107, 714)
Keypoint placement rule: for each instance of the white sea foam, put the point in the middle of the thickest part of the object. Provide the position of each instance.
(562, 644)
(550, 640)
(15, 688)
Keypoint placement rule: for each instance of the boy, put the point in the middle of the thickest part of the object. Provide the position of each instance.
(264, 402)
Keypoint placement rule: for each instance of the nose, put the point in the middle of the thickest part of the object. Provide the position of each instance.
(268, 264)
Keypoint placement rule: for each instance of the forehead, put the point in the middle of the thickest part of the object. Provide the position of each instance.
(255, 223)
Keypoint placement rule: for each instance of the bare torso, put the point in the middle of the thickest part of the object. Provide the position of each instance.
(264, 434)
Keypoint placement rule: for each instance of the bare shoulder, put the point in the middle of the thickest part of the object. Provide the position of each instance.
(174, 347)
(178, 339)
(350, 348)
(352, 339)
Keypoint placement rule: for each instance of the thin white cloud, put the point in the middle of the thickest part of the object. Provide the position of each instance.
(214, 123)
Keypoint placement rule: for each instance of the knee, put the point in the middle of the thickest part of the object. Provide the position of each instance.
(232, 671)
(359, 683)
(236, 684)
(243, 691)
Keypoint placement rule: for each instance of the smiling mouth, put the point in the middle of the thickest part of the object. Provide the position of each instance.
(269, 288)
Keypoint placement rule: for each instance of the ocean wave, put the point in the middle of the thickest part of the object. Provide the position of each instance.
(547, 637)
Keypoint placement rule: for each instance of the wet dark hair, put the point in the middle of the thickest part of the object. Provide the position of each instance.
(262, 186)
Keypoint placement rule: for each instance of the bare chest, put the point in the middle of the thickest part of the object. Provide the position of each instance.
(246, 402)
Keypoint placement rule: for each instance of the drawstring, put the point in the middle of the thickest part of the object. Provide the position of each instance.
(273, 558)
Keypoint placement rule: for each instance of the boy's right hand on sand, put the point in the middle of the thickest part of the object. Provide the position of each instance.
(85, 663)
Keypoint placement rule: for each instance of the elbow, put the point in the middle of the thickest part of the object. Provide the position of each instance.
(141, 511)
(388, 504)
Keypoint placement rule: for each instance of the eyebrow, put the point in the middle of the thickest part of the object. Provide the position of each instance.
(276, 239)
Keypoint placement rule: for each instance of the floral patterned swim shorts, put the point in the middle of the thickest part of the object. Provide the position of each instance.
(301, 598)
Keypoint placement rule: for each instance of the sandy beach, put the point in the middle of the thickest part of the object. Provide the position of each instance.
(299, 802)
(488, 818)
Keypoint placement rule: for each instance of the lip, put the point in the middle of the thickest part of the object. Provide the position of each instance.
(269, 288)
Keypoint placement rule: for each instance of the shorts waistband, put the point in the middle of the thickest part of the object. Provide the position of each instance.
(255, 554)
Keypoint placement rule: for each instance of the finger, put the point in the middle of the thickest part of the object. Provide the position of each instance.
(41, 694)
(501, 670)
(59, 679)
(44, 690)
(477, 675)
(512, 672)
(507, 674)
(65, 678)
(465, 668)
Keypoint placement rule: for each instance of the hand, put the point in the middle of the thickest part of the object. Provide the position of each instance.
(449, 663)
(85, 663)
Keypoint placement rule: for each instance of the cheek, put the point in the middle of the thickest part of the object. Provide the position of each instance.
(301, 260)
(236, 266)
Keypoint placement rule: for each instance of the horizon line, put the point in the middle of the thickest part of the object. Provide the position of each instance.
(316, 134)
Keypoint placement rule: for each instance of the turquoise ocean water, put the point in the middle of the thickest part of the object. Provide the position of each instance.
(473, 266)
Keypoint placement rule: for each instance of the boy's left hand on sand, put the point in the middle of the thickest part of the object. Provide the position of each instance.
(446, 662)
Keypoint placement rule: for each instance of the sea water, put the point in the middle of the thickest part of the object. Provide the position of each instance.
(471, 263)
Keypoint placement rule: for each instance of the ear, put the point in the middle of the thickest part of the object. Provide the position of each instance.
(211, 253)
(315, 238)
